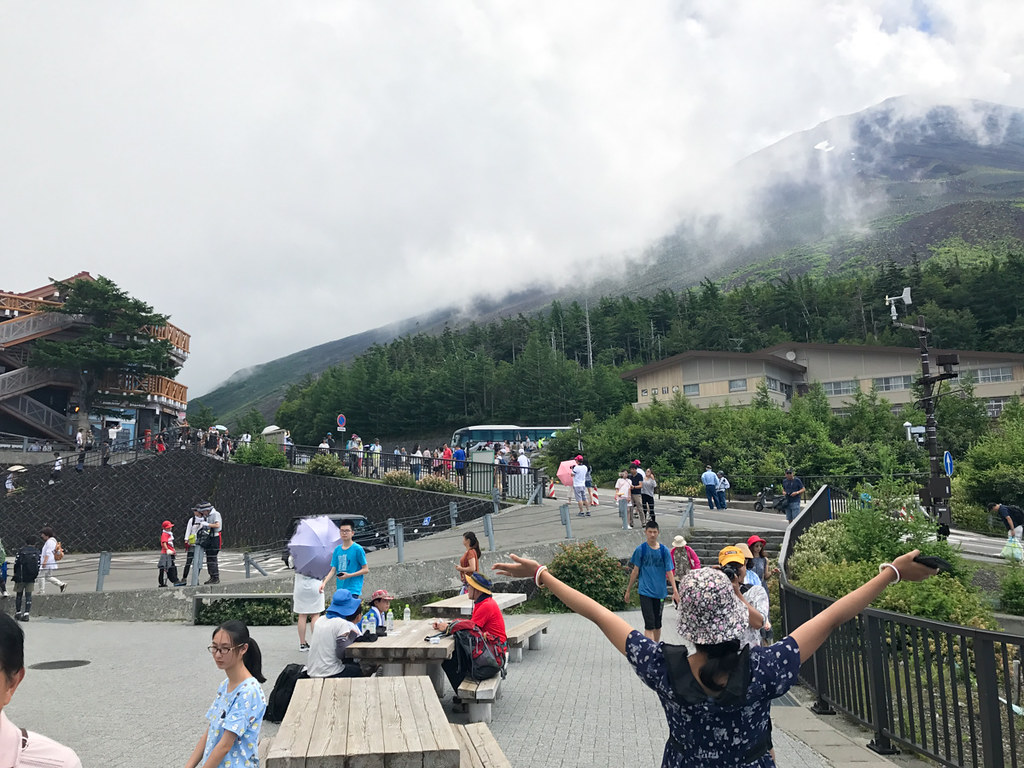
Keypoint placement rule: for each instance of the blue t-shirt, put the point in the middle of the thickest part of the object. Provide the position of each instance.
(347, 561)
(653, 564)
(706, 733)
(788, 486)
(241, 712)
(460, 458)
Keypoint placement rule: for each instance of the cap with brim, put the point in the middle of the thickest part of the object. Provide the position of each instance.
(579, 458)
(168, 524)
(755, 539)
(678, 541)
(789, 471)
(381, 594)
(343, 604)
(480, 583)
(636, 462)
(742, 547)
(709, 611)
(731, 555)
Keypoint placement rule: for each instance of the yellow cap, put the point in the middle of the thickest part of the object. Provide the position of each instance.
(731, 555)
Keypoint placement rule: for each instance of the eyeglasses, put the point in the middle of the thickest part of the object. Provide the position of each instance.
(215, 649)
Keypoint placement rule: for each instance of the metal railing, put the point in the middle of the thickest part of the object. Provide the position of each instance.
(948, 692)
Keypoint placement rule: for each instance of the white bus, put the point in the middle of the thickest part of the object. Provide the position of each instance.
(498, 433)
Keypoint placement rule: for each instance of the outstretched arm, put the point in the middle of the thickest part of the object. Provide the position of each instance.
(614, 627)
(811, 634)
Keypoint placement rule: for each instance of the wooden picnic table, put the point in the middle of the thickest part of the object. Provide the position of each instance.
(459, 607)
(388, 722)
(404, 651)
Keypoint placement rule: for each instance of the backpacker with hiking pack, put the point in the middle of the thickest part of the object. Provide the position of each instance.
(26, 565)
(486, 654)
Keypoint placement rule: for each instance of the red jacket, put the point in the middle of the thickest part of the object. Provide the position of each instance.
(487, 616)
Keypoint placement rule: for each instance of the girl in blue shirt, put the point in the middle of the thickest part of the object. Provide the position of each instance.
(236, 714)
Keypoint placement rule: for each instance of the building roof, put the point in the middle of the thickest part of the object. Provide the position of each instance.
(697, 354)
(794, 345)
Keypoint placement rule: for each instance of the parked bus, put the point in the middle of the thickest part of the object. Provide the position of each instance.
(498, 433)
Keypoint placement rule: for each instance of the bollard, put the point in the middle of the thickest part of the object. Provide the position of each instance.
(453, 512)
(689, 511)
(496, 500)
(102, 570)
(624, 513)
(391, 531)
(246, 561)
(198, 554)
(400, 541)
(489, 530)
(566, 520)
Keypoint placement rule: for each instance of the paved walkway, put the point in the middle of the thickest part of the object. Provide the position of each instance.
(574, 704)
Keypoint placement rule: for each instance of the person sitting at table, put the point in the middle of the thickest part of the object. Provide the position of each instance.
(332, 634)
(380, 602)
(486, 615)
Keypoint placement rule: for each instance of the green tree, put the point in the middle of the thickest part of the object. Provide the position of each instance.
(203, 416)
(116, 340)
(252, 422)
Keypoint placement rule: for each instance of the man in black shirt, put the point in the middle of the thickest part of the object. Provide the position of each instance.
(1012, 516)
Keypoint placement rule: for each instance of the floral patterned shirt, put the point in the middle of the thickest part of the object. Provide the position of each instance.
(241, 712)
(703, 732)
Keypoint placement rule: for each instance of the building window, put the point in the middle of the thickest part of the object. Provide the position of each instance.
(893, 383)
(992, 375)
(675, 388)
(842, 413)
(643, 393)
(774, 385)
(691, 390)
(995, 406)
(787, 390)
(836, 388)
(664, 390)
(737, 385)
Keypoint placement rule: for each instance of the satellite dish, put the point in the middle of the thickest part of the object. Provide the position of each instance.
(791, 355)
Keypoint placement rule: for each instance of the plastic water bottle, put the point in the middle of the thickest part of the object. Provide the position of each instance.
(407, 614)
(391, 620)
(371, 623)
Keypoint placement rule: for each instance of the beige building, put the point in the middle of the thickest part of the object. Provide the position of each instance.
(710, 378)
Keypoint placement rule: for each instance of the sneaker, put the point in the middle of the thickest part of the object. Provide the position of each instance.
(303, 646)
(24, 617)
(161, 585)
(579, 514)
(212, 581)
(17, 616)
(63, 587)
(179, 584)
(588, 514)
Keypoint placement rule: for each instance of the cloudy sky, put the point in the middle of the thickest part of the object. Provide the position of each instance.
(276, 175)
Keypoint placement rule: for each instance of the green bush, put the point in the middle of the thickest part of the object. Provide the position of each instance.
(261, 454)
(327, 464)
(435, 483)
(675, 486)
(400, 478)
(266, 612)
(821, 544)
(591, 570)
(1011, 590)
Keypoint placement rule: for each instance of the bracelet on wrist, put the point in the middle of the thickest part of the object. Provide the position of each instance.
(895, 570)
(536, 575)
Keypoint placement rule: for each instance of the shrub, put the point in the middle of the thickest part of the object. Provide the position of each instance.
(590, 569)
(261, 454)
(435, 483)
(1011, 591)
(675, 486)
(328, 465)
(400, 478)
(265, 612)
(822, 543)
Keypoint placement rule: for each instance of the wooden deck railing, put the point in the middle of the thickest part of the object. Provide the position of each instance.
(154, 387)
(12, 302)
(172, 333)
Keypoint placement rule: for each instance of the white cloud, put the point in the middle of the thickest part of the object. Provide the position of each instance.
(278, 175)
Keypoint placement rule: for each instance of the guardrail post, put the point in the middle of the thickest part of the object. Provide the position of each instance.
(400, 541)
(689, 511)
(489, 530)
(624, 513)
(881, 711)
(453, 512)
(391, 531)
(198, 555)
(989, 713)
(496, 500)
(566, 520)
(102, 570)
(246, 560)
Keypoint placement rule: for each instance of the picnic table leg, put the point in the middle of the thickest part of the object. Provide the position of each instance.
(390, 669)
(535, 641)
(436, 675)
(515, 653)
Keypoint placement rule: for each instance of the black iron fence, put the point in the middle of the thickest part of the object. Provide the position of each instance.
(949, 692)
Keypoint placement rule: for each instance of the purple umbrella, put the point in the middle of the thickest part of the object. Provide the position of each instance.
(312, 546)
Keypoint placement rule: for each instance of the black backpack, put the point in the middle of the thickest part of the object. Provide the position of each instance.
(284, 687)
(481, 654)
(26, 565)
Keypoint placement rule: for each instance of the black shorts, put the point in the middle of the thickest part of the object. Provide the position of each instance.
(651, 607)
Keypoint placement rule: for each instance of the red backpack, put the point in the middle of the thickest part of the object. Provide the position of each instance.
(487, 653)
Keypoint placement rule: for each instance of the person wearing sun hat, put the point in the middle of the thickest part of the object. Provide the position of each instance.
(751, 578)
(332, 634)
(683, 558)
(380, 601)
(579, 484)
(486, 615)
(716, 697)
(733, 562)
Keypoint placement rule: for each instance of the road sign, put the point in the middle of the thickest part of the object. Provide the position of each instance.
(341, 420)
(947, 463)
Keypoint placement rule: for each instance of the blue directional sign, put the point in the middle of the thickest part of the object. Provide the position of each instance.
(947, 463)
(341, 420)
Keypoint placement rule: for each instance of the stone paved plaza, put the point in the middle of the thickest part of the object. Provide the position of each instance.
(141, 699)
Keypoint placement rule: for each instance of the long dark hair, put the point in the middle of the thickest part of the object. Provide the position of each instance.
(473, 544)
(722, 659)
(239, 634)
(12, 647)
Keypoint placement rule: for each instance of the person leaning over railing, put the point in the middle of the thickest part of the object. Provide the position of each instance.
(717, 699)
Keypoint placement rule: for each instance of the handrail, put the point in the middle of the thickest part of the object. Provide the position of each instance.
(152, 386)
(171, 333)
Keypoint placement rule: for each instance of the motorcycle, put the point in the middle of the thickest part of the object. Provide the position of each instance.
(766, 497)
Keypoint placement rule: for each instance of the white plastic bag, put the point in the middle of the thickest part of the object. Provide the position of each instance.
(1013, 550)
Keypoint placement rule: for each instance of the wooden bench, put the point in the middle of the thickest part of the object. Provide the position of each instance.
(478, 696)
(478, 747)
(531, 631)
(199, 599)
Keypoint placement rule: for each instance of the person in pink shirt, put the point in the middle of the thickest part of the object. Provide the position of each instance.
(18, 746)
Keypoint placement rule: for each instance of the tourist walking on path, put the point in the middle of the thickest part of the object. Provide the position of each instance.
(308, 603)
(710, 481)
(58, 465)
(348, 562)
(759, 563)
(51, 553)
(1013, 518)
(722, 486)
(684, 559)
(470, 562)
(235, 717)
(19, 747)
(26, 571)
(652, 563)
(793, 488)
(192, 528)
(211, 538)
(579, 486)
(622, 494)
(166, 565)
(717, 698)
(636, 485)
(648, 488)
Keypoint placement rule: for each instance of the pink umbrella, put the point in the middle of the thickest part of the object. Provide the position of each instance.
(564, 473)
